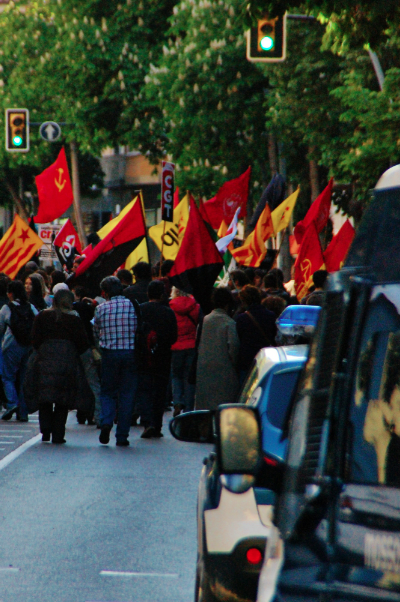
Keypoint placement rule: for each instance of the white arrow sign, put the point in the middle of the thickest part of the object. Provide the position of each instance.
(50, 131)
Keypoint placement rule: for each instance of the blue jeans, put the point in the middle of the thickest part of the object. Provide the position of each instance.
(15, 360)
(118, 389)
(182, 391)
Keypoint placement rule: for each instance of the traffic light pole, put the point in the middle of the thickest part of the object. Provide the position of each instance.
(77, 193)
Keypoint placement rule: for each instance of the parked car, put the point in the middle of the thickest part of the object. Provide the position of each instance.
(235, 514)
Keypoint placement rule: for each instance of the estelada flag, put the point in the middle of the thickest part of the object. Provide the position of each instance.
(198, 261)
(253, 250)
(282, 214)
(112, 251)
(17, 246)
(141, 252)
(230, 196)
(336, 252)
(67, 244)
(54, 190)
(171, 232)
(309, 260)
(318, 213)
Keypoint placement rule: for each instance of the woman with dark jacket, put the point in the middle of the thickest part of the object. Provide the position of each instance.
(255, 327)
(59, 337)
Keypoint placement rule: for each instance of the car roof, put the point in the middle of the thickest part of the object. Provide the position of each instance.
(269, 357)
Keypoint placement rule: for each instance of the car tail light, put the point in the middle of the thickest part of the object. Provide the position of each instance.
(270, 461)
(254, 556)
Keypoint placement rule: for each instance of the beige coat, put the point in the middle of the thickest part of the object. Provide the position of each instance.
(217, 379)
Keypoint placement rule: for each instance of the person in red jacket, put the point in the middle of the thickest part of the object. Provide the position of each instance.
(183, 351)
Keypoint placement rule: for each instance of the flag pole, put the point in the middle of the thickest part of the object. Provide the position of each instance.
(162, 249)
(77, 193)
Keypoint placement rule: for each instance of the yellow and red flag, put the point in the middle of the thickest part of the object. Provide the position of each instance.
(54, 190)
(253, 250)
(141, 252)
(309, 260)
(17, 246)
(336, 252)
(282, 214)
(171, 233)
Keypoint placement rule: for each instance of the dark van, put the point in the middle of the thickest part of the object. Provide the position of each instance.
(339, 492)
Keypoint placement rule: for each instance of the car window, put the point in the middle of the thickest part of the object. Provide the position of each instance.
(283, 385)
(374, 435)
(250, 385)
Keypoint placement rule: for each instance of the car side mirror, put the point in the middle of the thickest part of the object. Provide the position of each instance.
(239, 451)
(193, 427)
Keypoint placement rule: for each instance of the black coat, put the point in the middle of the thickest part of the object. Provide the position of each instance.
(55, 375)
(253, 338)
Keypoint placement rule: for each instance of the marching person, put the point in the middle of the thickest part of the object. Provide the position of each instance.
(161, 332)
(115, 323)
(57, 382)
(16, 322)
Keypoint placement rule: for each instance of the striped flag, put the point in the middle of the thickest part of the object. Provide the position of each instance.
(17, 246)
(253, 250)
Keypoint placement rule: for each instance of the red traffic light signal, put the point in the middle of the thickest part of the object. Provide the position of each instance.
(17, 130)
(266, 41)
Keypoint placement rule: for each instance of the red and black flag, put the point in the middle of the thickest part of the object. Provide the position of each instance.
(111, 252)
(67, 244)
(198, 261)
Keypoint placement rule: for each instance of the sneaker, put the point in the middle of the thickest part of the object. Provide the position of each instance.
(123, 443)
(46, 436)
(104, 436)
(148, 433)
(8, 413)
(158, 434)
(57, 441)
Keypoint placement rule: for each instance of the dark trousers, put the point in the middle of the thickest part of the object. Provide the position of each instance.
(53, 419)
(152, 392)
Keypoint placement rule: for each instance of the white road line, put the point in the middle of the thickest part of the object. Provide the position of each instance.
(8, 569)
(7, 442)
(11, 436)
(133, 574)
(19, 451)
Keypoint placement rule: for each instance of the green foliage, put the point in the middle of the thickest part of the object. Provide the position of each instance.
(211, 98)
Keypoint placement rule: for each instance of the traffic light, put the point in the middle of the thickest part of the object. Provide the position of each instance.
(17, 130)
(266, 41)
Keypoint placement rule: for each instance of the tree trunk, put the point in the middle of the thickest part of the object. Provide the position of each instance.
(272, 154)
(314, 179)
(17, 201)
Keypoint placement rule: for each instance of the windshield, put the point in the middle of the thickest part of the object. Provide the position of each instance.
(283, 385)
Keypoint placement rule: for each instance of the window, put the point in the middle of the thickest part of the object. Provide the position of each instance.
(281, 390)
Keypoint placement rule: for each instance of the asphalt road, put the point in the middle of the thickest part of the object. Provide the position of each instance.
(87, 523)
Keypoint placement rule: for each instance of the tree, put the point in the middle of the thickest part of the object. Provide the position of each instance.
(211, 98)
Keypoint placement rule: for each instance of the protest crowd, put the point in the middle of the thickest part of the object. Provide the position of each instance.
(120, 341)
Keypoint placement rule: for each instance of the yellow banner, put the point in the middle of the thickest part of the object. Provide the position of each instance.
(174, 231)
(282, 214)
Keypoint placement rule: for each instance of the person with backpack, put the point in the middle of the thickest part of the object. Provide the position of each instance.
(16, 323)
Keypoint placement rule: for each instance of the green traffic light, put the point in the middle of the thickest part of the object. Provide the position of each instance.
(266, 43)
(17, 141)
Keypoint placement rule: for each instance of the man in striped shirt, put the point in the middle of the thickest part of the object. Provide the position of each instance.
(115, 323)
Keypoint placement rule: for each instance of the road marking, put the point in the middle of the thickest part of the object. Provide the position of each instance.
(11, 436)
(7, 442)
(8, 569)
(19, 451)
(133, 574)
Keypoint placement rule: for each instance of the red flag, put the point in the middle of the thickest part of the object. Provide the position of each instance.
(318, 213)
(294, 247)
(309, 260)
(198, 261)
(67, 244)
(176, 197)
(54, 190)
(230, 196)
(336, 252)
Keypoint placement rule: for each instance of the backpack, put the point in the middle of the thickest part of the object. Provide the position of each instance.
(21, 323)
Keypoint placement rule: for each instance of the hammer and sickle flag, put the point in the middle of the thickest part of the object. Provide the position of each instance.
(54, 190)
(309, 260)
(174, 231)
(17, 246)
